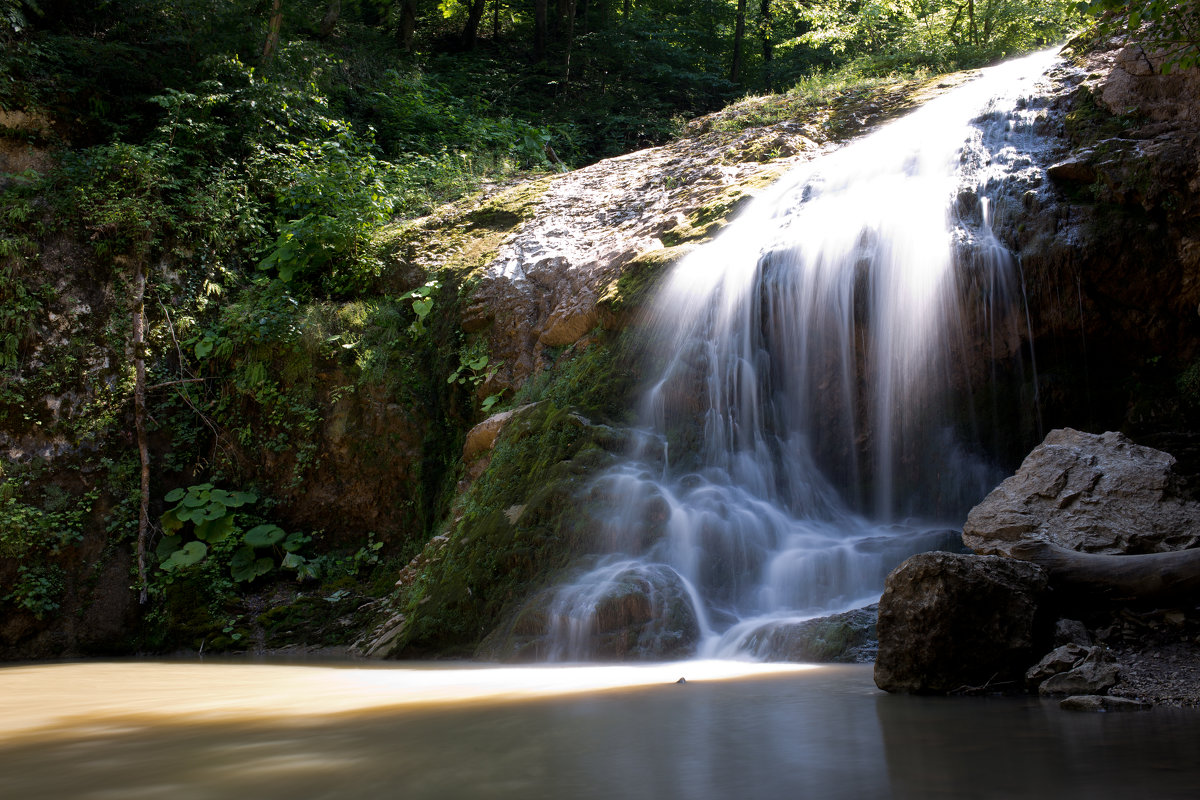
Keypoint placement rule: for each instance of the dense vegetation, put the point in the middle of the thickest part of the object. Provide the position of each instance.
(222, 170)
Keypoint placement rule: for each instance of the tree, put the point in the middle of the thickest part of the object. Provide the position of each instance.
(408, 23)
(274, 25)
(739, 35)
(470, 34)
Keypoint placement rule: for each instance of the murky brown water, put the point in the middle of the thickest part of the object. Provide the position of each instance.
(215, 730)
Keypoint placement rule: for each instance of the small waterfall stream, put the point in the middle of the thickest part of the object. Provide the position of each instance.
(807, 431)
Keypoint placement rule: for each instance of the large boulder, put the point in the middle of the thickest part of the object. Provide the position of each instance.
(1094, 493)
(957, 623)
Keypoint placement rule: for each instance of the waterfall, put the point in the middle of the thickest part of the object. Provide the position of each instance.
(808, 429)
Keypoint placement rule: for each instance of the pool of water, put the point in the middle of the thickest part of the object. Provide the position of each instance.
(186, 730)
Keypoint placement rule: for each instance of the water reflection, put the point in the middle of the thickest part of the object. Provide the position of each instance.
(820, 733)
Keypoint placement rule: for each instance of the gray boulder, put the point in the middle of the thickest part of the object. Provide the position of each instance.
(1058, 660)
(1090, 677)
(954, 623)
(1094, 493)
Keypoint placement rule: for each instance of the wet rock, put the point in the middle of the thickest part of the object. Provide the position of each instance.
(1060, 659)
(1095, 493)
(1077, 169)
(1096, 702)
(633, 611)
(848, 637)
(954, 623)
(1090, 677)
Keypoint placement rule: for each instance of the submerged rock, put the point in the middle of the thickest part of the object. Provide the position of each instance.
(849, 637)
(1096, 702)
(957, 623)
(1095, 493)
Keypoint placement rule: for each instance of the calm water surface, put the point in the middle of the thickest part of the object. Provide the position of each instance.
(187, 730)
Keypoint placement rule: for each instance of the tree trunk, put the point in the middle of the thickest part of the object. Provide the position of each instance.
(739, 34)
(972, 33)
(539, 29)
(626, 10)
(273, 28)
(768, 47)
(570, 4)
(1153, 576)
(495, 20)
(559, 22)
(408, 23)
(474, 16)
(139, 421)
(329, 21)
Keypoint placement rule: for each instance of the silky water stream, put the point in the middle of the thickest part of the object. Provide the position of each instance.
(801, 440)
(813, 421)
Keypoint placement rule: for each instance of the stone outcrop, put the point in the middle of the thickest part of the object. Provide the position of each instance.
(849, 637)
(1093, 493)
(957, 623)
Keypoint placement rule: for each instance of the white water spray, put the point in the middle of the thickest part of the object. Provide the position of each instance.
(802, 437)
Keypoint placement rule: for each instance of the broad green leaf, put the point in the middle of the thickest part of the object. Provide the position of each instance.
(166, 546)
(175, 495)
(241, 566)
(193, 500)
(264, 535)
(294, 541)
(213, 511)
(215, 530)
(292, 561)
(204, 347)
(190, 553)
(242, 498)
(170, 523)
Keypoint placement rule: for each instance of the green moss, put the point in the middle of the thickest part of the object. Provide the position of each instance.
(459, 239)
(530, 512)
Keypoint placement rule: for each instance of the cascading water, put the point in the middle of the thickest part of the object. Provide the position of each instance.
(806, 432)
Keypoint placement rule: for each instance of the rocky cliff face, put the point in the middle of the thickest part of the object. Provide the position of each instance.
(1107, 236)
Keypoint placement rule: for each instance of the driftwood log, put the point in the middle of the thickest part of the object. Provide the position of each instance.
(1149, 577)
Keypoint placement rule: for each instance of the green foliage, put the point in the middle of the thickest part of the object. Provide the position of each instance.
(43, 525)
(38, 589)
(333, 193)
(207, 510)
(23, 294)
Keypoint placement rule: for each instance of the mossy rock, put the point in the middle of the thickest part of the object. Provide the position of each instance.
(461, 238)
(521, 521)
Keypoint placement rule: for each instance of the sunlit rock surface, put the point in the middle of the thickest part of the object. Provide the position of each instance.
(1095, 493)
